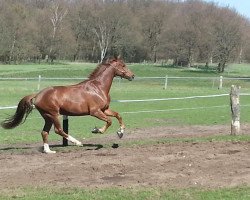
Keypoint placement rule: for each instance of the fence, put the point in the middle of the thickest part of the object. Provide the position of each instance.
(165, 81)
(66, 121)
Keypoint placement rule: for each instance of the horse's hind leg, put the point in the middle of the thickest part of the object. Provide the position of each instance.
(59, 131)
(45, 135)
(119, 118)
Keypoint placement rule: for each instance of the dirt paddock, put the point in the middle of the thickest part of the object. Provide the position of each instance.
(174, 165)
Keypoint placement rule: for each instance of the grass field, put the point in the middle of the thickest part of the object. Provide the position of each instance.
(199, 111)
(172, 112)
(132, 194)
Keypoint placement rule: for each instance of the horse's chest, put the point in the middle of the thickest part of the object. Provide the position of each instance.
(104, 103)
(100, 101)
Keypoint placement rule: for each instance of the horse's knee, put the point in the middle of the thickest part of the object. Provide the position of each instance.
(118, 116)
(109, 122)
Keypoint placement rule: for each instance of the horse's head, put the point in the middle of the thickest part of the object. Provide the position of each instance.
(121, 69)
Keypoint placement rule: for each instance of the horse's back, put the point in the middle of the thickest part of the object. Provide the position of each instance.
(70, 100)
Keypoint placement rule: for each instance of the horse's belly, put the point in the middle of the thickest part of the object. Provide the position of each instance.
(74, 109)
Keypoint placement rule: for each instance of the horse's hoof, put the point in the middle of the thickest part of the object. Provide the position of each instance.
(79, 144)
(96, 130)
(120, 134)
(49, 151)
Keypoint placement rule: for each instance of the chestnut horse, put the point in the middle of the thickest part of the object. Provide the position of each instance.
(90, 97)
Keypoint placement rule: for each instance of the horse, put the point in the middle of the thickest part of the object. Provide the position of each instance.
(89, 97)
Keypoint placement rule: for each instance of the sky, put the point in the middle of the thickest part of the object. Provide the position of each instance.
(241, 6)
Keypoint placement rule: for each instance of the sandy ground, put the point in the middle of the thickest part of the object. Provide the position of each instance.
(100, 164)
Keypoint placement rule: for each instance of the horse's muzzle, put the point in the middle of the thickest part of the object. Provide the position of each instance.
(131, 78)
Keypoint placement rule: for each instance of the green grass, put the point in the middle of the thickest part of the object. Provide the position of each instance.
(46, 70)
(189, 112)
(200, 111)
(239, 193)
(140, 70)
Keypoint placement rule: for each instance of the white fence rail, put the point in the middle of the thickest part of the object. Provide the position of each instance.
(145, 100)
(166, 80)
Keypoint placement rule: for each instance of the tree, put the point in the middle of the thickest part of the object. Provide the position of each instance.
(151, 18)
(227, 36)
(56, 16)
(106, 19)
(17, 43)
(185, 31)
(79, 15)
(5, 34)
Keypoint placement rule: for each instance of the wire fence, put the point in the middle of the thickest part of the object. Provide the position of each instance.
(162, 99)
(146, 100)
(165, 81)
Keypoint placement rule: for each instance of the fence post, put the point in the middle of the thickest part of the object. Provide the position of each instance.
(39, 82)
(235, 108)
(166, 82)
(65, 129)
(221, 82)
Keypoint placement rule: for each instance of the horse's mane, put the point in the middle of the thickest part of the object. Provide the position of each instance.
(97, 70)
(100, 68)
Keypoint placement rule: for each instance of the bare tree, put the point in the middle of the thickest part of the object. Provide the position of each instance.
(227, 36)
(151, 18)
(246, 42)
(80, 26)
(57, 14)
(16, 36)
(185, 31)
(103, 27)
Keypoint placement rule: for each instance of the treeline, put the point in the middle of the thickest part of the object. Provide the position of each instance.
(181, 32)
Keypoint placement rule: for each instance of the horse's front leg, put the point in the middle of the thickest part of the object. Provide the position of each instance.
(112, 113)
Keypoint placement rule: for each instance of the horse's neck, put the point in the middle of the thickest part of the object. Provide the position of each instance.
(106, 79)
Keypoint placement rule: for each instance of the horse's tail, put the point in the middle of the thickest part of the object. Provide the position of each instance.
(24, 108)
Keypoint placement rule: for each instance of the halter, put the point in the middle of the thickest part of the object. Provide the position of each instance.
(121, 71)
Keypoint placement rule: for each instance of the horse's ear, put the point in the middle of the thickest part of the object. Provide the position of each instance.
(107, 59)
(117, 57)
(110, 60)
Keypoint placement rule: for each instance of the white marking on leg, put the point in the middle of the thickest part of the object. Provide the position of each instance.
(46, 149)
(122, 130)
(73, 140)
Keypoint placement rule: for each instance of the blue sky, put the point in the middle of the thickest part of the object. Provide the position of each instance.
(242, 6)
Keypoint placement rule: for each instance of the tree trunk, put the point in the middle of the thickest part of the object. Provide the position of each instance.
(190, 57)
(52, 43)
(154, 55)
(240, 55)
(12, 48)
(221, 66)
